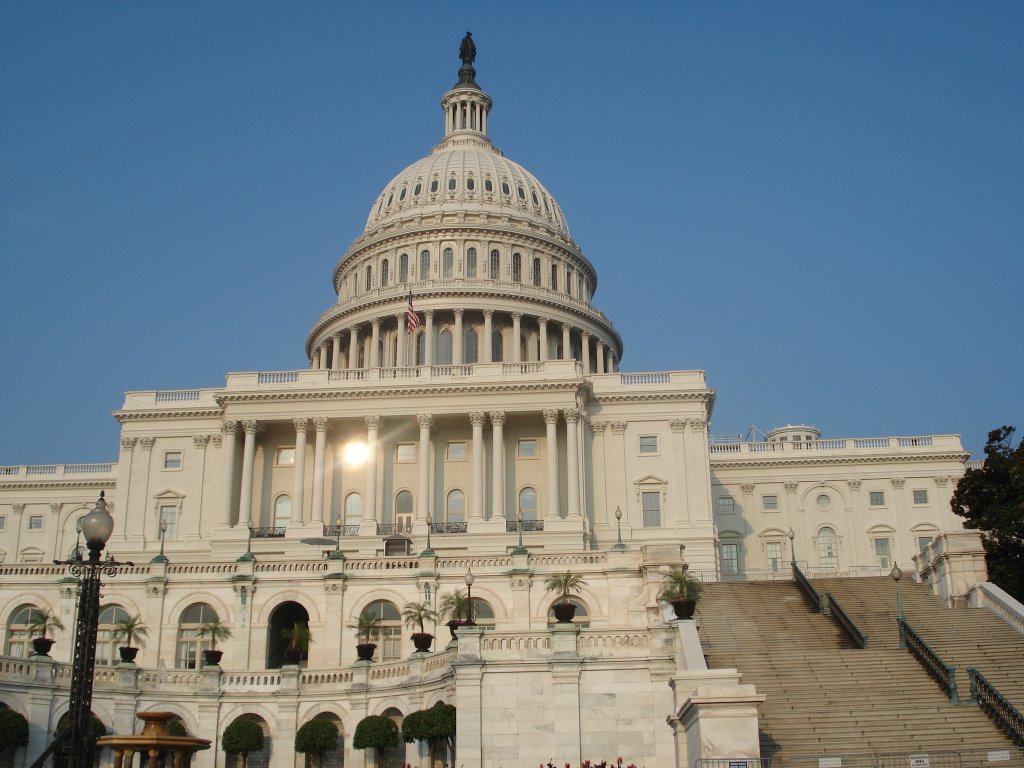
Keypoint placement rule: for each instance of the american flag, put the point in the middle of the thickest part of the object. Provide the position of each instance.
(412, 320)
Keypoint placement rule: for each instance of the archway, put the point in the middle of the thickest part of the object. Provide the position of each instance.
(257, 758)
(285, 616)
(395, 756)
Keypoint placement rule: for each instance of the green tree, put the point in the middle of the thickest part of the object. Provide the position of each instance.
(13, 729)
(565, 584)
(241, 738)
(991, 499)
(375, 731)
(317, 737)
(131, 629)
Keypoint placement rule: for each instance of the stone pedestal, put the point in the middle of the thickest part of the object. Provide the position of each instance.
(952, 564)
(715, 716)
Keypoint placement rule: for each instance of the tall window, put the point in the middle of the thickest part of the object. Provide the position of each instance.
(471, 262)
(369, 278)
(169, 517)
(554, 277)
(424, 265)
(282, 510)
(730, 557)
(773, 551)
(353, 509)
(403, 268)
(385, 269)
(651, 501)
(517, 268)
(528, 503)
(495, 268)
(420, 348)
(535, 272)
(471, 346)
(391, 628)
(497, 347)
(18, 641)
(444, 352)
(190, 645)
(883, 554)
(456, 507)
(568, 280)
(828, 548)
(482, 612)
(403, 510)
(447, 263)
(106, 648)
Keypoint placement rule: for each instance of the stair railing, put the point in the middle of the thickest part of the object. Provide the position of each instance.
(994, 704)
(814, 600)
(944, 674)
(835, 610)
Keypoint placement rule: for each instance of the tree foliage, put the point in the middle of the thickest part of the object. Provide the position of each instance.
(241, 738)
(13, 729)
(317, 737)
(96, 726)
(680, 584)
(991, 499)
(375, 731)
(565, 584)
(176, 728)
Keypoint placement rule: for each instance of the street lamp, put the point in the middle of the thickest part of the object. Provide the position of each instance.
(428, 552)
(96, 527)
(792, 549)
(896, 575)
(618, 545)
(336, 554)
(519, 549)
(248, 557)
(161, 558)
(469, 599)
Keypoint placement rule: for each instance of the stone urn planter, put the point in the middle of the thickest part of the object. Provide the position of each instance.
(42, 645)
(683, 607)
(422, 641)
(365, 651)
(212, 657)
(128, 654)
(564, 612)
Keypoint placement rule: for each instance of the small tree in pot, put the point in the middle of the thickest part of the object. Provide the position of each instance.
(215, 630)
(455, 605)
(297, 640)
(376, 731)
(42, 622)
(241, 738)
(317, 737)
(414, 615)
(367, 627)
(564, 585)
(130, 629)
(682, 589)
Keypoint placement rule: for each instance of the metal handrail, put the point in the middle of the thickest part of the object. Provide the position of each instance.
(814, 600)
(835, 610)
(996, 706)
(964, 758)
(51, 748)
(944, 674)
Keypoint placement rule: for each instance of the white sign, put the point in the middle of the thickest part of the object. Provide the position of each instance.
(918, 761)
(830, 762)
(999, 756)
(738, 764)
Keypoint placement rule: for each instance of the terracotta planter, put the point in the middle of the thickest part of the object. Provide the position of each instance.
(564, 612)
(211, 657)
(42, 645)
(422, 641)
(128, 654)
(365, 651)
(684, 608)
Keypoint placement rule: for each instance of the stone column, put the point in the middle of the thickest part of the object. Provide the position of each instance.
(353, 347)
(616, 482)
(600, 356)
(423, 457)
(572, 461)
(601, 516)
(299, 480)
(249, 426)
(797, 548)
(230, 429)
(370, 505)
(566, 348)
(316, 513)
(326, 345)
(543, 322)
(498, 464)
(457, 338)
(375, 343)
(400, 339)
(124, 487)
(551, 448)
(428, 338)
(678, 510)
(488, 347)
(517, 352)
(610, 362)
(476, 418)
(901, 525)
(336, 351)
(585, 342)
(853, 510)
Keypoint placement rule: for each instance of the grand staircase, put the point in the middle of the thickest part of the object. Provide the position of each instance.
(826, 696)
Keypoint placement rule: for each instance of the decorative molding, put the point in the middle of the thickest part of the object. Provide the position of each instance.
(477, 418)
(497, 418)
(677, 425)
(719, 462)
(550, 415)
(127, 443)
(146, 443)
(200, 442)
(425, 420)
(791, 486)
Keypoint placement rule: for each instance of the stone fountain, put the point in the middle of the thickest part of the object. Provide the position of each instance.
(153, 742)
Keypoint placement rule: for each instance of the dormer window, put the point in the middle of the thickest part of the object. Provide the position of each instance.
(401, 195)
(451, 184)
(522, 193)
(390, 198)
(433, 186)
(488, 186)
(470, 184)
(417, 189)
(504, 188)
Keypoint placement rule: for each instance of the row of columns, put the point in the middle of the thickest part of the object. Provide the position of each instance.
(328, 355)
(477, 419)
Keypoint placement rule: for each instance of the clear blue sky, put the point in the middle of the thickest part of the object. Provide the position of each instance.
(820, 204)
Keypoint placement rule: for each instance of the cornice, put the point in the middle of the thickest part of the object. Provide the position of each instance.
(43, 485)
(396, 393)
(808, 461)
(207, 413)
(653, 397)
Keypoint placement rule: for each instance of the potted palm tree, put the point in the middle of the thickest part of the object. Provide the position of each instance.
(367, 627)
(682, 590)
(215, 630)
(297, 640)
(455, 605)
(414, 615)
(130, 629)
(563, 585)
(43, 622)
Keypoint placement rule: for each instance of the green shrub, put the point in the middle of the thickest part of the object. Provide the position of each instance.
(241, 738)
(375, 731)
(13, 729)
(317, 737)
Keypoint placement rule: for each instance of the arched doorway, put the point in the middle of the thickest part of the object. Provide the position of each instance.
(395, 756)
(285, 616)
(254, 759)
(336, 757)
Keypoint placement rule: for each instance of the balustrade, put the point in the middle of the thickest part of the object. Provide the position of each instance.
(269, 532)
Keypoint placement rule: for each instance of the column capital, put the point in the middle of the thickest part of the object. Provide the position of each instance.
(147, 443)
(497, 418)
(585, 335)
(250, 426)
(572, 415)
(488, 313)
(853, 485)
(127, 443)
(301, 424)
(543, 319)
(375, 323)
(319, 423)
(229, 427)
(676, 425)
(477, 418)
(216, 440)
(550, 415)
(898, 482)
(600, 343)
(458, 313)
(791, 486)
(425, 420)
(55, 508)
(598, 427)
(337, 335)
(517, 315)
(697, 425)
(400, 317)
(429, 314)
(18, 508)
(747, 488)
(618, 427)
(566, 327)
(200, 442)
(372, 421)
(941, 480)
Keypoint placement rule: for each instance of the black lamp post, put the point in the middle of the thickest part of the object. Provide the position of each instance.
(469, 600)
(429, 551)
(792, 551)
(337, 553)
(519, 549)
(618, 545)
(161, 558)
(896, 575)
(97, 526)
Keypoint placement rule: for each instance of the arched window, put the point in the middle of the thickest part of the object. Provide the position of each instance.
(482, 612)
(353, 509)
(369, 278)
(18, 640)
(282, 510)
(528, 503)
(385, 269)
(580, 619)
(447, 263)
(471, 346)
(190, 645)
(554, 277)
(517, 268)
(424, 265)
(393, 350)
(444, 352)
(568, 280)
(391, 628)
(828, 548)
(452, 184)
(455, 508)
(495, 269)
(497, 347)
(471, 262)
(106, 648)
(729, 552)
(420, 350)
(403, 268)
(535, 273)
(403, 511)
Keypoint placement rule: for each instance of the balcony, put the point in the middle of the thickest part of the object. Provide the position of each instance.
(51, 472)
(868, 446)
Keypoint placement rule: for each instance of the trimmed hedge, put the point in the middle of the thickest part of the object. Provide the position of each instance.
(375, 731)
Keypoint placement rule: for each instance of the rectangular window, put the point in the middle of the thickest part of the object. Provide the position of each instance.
(456, 451)
(3, 522)
(730, 558)
(648, 445)
(920, 497)
(773, 550)
(726, 504)
(35, 522)
(652, 509)
(923, 542)
(527, 449)
(172, 459)
(876, 498)
(882, 554)
(169, 515)
(406, 452)
(770, 503)
(285, 457)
